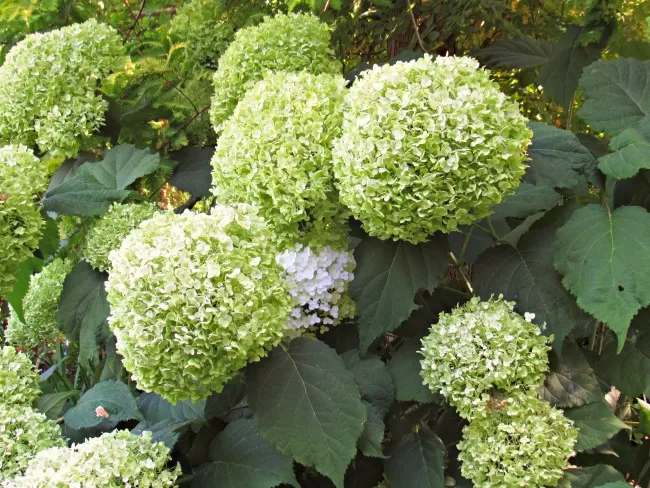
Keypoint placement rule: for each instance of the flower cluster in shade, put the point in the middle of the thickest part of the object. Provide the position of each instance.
(22, 177)
(289, 43)
(284, 168)
(40, 304)
(114, 460)
(194, 298)
(426, 146)
(525, 443)
(110, 230)
(318, 282)
(48, 93)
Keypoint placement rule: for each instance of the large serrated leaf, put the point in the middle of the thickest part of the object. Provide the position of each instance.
(51, 404)
(525, 275)
(417, 461)
(527, 200)
(522, 52)
(616, 94)
(632, 154)
(596, 423)
(194, 171)
(156, 409)
(591, 477)
(241, 457)
(122, 165)
(405, 368)
(387, 276)
(602, 257)
(308, 406)
(116, 400)
(629, 370)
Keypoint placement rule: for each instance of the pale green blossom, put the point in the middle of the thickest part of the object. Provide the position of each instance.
(427, 146)
(18, 378)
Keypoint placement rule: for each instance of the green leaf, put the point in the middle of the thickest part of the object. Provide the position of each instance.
(633, 191)
(114, 397)
(644, 418)
(525, 275)
(405, 368)
(632, 154)
(373, 379)
(122, 165)
(570, 382)
(308, 406)
(602, 257)
(51, 404)
(229, 404)
(156, 409)
(83, 309)
(519, 53)
(49, 243)
(21, 284)
(165, 431)
(527, 199)
(194, 171)
(373, 433)
(596, 423)
(241, 457)
(628, 370)
(590, 477)
(69, 168)
(558, 159)
(387, 276)
(616, 94)
(417, 461)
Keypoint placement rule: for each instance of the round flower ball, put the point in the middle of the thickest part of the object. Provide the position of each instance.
(22, 178)
(427, 146)
(48, 94)
(523, 442)
(284, 168)
(111, 229)
(194, 298)
(318, 282)
(18, 378)
(480, 347)
(41, 303)
(114, 460)
(23, 433)
(290, 43)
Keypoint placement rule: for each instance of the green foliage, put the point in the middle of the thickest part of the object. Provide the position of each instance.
(417, 461)
(595, 423)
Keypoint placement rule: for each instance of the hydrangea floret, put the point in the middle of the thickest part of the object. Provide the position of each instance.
(23, 433)
(18, 378)
(284, 169)
(290, 43)
(523, 442)
(48, 94)
(479, 347)
(427, 146)
(194, 298)
(319, 281)
(41, 303)
(114, 460)
(109, 231)
(22, 177)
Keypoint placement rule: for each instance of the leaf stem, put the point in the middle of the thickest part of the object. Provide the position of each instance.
(462, 273)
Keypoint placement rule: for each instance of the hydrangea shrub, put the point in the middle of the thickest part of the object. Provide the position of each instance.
(18, 378)
(194, 298)
(426, 146)
(289, 43)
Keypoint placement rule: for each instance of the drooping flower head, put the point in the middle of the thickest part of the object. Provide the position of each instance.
(289, 122)
(48, 86)
(427, 146)
(480, 347)
(114, 460)
(18, 378)
(290, 43)
(111, 229)
(194, 298)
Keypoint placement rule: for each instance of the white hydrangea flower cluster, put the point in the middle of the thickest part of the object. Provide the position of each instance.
(426, 146)
(49, 81)
(194, 298)
(318, 282)
(111, 229)
(115, 460)
(41, 304)
(18, 378)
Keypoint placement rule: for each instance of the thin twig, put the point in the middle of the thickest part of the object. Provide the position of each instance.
(327, 4)
(187, 124)
(462, 273)
(415, 26)
(135, 21)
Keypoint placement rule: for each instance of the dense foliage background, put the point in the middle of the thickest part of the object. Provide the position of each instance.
(345, 406)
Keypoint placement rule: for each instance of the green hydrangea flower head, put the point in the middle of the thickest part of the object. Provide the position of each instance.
(114, 460)
(41, 304)
(48, 94)
(194, 298)
(22, 177)
(427, 146)
(284, 169)
(523, 442)
(23, 433)
(18, 378)
(291, 43)
(109, 231)
(479, 347)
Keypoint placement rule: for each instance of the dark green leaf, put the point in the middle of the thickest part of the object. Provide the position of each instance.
(387, 276)
(114, 397)
(479, 238)
(633, 191)
(229, 404)
(373, 379)
(590, 477)
(69, 168)
(51, 404)
(241, 457)
(373, 432)
(164, 431)
(632, 154)
(416, 461)
(308, 406)
(628, 370)
(49, 243)
(596, 423)
(194, 171)
(602, 257)
(527, 199)
(522, 52)
(156, 409)
(21, 284)
(121, 166)
(405, 368)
